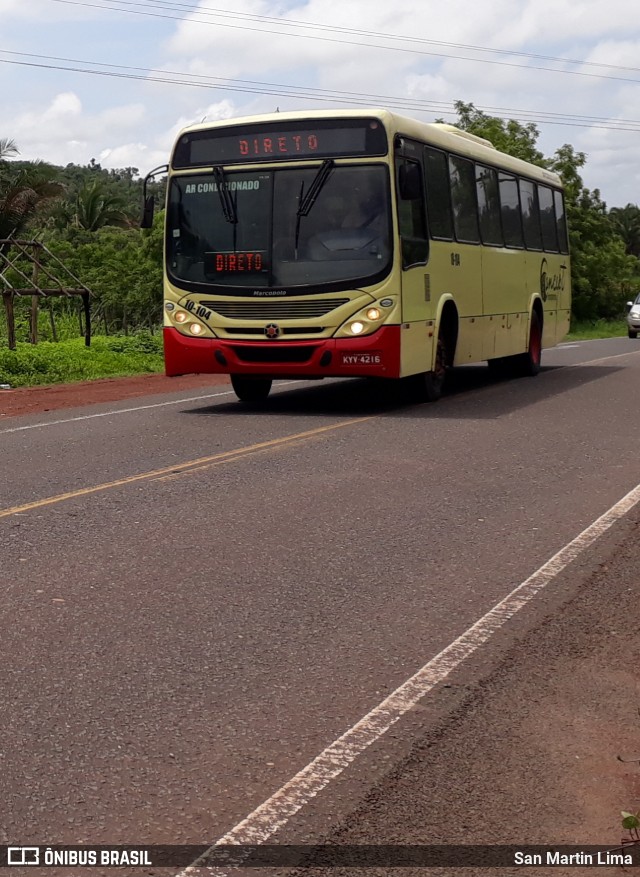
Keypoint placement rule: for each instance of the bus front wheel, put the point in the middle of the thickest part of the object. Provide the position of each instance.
(428, 386)
(249, 389)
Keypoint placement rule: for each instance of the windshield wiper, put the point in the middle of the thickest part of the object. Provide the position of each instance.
(307, 201)
(315, 188)
(226, 201)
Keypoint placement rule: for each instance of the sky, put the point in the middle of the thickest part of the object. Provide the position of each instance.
(115, 80)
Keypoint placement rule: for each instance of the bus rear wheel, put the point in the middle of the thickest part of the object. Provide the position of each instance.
(521, 364)
(529, 362)
(249, 389)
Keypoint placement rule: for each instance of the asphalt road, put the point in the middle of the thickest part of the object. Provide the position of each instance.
(199, 599)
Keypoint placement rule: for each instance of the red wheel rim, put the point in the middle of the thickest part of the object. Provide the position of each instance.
(535, 341)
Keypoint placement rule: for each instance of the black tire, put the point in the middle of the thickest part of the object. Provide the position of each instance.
(632, 334)
(249, 389)
(529, 362)
(429, 386)
(522, 364)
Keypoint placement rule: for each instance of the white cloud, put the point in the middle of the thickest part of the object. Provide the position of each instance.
(64, 132)
(121, 121)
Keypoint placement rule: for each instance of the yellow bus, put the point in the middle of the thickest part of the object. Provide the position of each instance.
(357, 244)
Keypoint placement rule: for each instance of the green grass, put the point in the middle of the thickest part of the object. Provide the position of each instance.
(117, 355)
(67, 361)
(597, 329)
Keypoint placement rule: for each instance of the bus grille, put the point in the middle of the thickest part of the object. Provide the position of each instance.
(277, 353)
(290, 330)
(274, 310)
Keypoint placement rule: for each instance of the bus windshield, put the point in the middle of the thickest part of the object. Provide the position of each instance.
(289, 227)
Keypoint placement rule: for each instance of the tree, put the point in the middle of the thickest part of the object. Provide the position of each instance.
(508, 136)
(95, 208)
(123, 269)
(22, 190)
(626, 222)
(602, 272)
(7, 147)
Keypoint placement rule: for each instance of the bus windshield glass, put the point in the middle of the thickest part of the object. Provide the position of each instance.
(290, 227)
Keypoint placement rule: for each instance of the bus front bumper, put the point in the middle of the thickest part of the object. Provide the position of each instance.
(376, 355)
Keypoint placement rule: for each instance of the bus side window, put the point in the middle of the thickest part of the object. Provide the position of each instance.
(510, 209)
(463, 198)
(530, 215)
(438, 195)
(488, 206)
(411, 213)
(561, 221)
(548, 219)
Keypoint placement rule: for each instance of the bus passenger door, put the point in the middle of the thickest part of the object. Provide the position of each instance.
(416, 340)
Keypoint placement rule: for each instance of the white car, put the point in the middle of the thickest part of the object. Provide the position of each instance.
(633, 317)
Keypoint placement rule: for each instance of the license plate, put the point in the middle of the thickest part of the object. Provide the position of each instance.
(372, 358)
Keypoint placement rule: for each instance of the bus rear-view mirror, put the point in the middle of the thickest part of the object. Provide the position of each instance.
(147, 212)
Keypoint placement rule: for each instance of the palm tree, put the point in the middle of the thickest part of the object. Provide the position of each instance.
(626, 221)
(7, 147)
(22, 190)
(94, 208)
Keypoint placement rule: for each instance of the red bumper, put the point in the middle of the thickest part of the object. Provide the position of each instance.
(376, 355)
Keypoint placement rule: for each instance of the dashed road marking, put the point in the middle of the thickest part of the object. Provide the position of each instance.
(177, 468)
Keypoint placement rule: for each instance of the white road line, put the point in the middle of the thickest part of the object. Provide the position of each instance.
(114, 411)
(606, 358)
(276, 811)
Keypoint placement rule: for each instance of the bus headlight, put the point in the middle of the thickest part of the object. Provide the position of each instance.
(369, 318)
(196, 329)
(181, 316)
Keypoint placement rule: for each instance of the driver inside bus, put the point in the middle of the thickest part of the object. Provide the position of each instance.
(366, 208)
(350, 224)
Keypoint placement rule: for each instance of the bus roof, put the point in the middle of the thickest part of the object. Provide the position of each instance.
(437, 134)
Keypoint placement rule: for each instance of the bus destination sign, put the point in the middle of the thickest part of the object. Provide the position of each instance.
(271, 141)
(216, 264)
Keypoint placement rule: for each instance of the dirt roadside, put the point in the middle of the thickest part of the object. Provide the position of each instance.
(528, 753)
(32, 400)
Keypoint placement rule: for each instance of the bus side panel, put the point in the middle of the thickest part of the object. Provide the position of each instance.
(506, 300)
(417, 348)
(457, 271)
(462, 266)
(543, 271)
(554, 285)
(453, 270)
